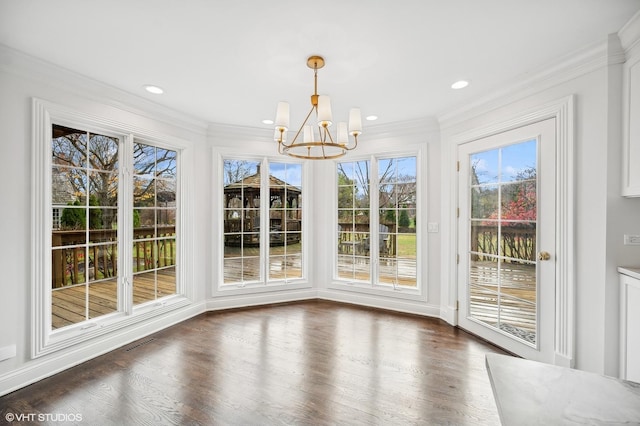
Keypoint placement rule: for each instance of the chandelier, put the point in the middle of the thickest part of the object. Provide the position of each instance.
(317, 144)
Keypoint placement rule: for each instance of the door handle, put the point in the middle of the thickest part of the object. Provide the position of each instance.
(544, 255)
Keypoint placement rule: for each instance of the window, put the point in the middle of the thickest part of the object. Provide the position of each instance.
(354, 221)
(106, 225)
(84, 250)
(377, 238)
(242, 187)
(285, 221)
(262, 222)
(154, 222)
(397, 230)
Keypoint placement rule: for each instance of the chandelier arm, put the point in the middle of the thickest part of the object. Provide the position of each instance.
(327, 132)
(293, 142)
(355, 138)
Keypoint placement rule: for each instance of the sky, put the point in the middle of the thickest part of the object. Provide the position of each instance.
(508, 160)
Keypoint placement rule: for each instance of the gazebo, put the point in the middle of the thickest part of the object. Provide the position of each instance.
(242, 212)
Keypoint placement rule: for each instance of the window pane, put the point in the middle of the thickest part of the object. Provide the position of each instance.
(484, 239)
(241, 209)
(285, 221)
(484, 202)
(68, 306)
(144, 287)
(165, 164)
(144, 157)
(68, 147)
(103, 152)
(397, 233)
(519, 161)
(250, 268)
(354, 219)
(484, 167)
(84, 195)
(232, 268)
(144, 191)
(154, 216)
(67, 185)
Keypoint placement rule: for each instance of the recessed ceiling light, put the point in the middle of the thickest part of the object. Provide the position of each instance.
(267, 121)
(154, 89)
(460, 84)
(371, 117)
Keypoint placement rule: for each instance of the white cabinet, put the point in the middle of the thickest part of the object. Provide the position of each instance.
(629, 38)
(631, 147)
(630, 324)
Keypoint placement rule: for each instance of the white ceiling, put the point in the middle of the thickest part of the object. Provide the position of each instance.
(232, 61)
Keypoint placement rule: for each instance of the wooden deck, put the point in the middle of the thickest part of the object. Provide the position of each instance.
(508, 302)
(391, 271)
(69, 304)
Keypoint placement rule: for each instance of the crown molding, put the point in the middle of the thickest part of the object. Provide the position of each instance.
(566, 68)
(427, 127)
(226, 134)
(400, 131)
(630, 33)
(26, 66)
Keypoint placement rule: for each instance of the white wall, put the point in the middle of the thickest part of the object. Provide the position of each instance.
(22, 78)
(601, 213)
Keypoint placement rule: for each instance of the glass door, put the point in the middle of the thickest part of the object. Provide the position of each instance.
(507, 229)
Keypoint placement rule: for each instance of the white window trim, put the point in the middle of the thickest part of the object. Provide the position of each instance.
(372, 287)
(264, 285)
(44, 340)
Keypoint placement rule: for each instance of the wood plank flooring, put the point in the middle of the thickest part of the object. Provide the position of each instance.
(306, 363)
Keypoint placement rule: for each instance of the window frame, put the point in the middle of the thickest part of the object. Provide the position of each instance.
(373, 286)
(45, 340)
(264, 284)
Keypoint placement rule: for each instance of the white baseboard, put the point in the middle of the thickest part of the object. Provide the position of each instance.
(399, 305)
(39, 369)
(42, 368)
(244, 301)
(449, 314)
(563, 361)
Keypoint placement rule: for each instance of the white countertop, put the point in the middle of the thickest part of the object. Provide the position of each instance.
(632, 272)
(534, 393)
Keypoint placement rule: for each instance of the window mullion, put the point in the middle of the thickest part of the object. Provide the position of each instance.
(264, 221)
(374, 220)
(125, 232)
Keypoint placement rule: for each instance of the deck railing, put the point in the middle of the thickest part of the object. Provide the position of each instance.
(153, 247)
(517, 241)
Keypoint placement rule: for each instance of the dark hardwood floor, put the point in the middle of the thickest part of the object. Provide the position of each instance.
(315, 363)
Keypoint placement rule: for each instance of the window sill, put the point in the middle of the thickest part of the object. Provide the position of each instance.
(75, 334)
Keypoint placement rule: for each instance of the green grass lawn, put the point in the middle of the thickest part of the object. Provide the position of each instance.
(406, 245)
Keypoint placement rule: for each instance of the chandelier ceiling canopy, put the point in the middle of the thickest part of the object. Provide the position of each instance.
(317, 144)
